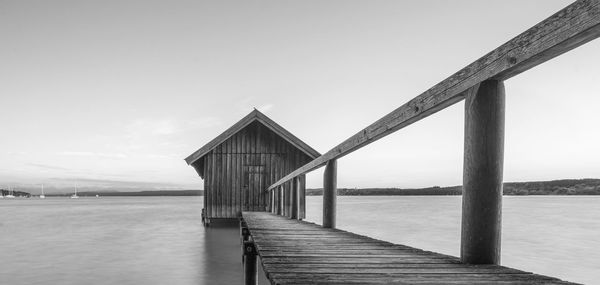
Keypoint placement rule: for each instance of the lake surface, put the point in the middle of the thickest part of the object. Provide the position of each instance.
(160, 240)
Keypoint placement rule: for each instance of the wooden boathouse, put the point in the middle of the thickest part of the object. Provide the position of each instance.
(291, 251)
(238, 165)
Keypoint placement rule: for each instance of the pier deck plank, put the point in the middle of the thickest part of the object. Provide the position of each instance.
(298, 252)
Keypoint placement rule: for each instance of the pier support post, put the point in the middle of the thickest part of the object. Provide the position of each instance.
(274, 204)
(295, 200)
(245, 233)
(482, 174)
(268, 201)
(329, 194)
(280, 200)
(274, 197)
(250, 269)
(288, 199)
(286, 195)
(271, 199)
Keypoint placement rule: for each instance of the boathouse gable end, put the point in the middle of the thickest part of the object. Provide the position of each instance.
(239, 165)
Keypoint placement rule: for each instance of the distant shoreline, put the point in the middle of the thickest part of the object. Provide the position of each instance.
(562, 187)
(156, 193)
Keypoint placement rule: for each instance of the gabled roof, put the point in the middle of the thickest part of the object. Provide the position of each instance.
(253, 116)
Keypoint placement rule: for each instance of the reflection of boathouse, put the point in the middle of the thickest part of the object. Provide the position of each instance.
(238, 165)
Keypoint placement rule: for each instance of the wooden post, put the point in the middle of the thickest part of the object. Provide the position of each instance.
(272, 201)
(302, 197)
(288, 199)
(280, 200)
(268, 204)
(295, 200)
(245, 234)
(250, 269)
(329, 193)
(285, 196)
(482, 174)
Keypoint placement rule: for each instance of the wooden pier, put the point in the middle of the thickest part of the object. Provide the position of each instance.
(298, 252)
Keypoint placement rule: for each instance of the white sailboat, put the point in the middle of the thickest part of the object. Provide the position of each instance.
(74, 196)
(42, 196)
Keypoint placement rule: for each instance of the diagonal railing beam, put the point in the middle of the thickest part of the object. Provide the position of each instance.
(569, 28)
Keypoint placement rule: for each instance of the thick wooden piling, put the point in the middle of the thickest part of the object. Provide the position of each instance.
(250, 268)
(295, 200)
(329, 194)
(244, 232)
(482, 176)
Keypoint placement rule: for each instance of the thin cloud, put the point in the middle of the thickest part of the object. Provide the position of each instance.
(247, 104)
(167, 127)
(161, 156)
(93, 154)
(16, 153)
(244, 105)
(98, 183)
(153, 127)
(265, 108)
(203, 123)
(45, 166)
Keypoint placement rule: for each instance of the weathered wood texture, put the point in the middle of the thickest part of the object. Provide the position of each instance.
(295, 199)
(238, 171)
(330, 194)
(482, 175)
(250, 264)
(280, 200)
(569, 28)
(297, 252)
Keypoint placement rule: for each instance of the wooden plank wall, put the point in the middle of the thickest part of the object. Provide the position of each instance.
(226, 167)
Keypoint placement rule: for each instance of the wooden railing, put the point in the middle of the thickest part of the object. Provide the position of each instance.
(481, 84)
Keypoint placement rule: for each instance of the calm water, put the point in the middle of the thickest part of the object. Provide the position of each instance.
(160, 240)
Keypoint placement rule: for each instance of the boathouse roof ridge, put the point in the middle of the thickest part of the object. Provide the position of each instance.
(253, 116)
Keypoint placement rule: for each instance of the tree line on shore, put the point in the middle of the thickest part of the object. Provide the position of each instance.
(554, 187)
(5, 192)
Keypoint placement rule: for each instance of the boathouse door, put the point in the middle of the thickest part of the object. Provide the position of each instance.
(253, 187)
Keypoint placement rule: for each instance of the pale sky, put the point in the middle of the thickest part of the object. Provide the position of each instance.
(116, 93)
